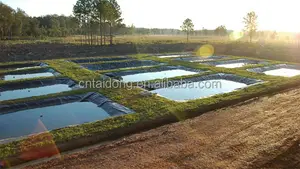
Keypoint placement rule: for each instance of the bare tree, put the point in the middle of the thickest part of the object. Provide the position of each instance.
(250, 21)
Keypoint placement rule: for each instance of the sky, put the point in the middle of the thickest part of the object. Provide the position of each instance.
(279, 15)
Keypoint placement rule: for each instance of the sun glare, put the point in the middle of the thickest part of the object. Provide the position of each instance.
(205, 51)
(236, 35)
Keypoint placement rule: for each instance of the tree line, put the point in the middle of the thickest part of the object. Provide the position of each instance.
(188, 27)
(16, 23)
(129, 30)
(98, 21)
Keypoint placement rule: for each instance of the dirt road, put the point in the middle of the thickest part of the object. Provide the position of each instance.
(261, 134)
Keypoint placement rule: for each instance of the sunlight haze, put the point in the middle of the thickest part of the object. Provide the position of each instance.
(276, 15)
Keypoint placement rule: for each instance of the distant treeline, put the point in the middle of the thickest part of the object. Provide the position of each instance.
(156, 31)
(16, 23)
(96, 20)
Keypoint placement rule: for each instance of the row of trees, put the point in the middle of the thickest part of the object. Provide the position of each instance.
(96, 18)
(156, 31)
(92, 18)
(16, 23)
(98, 21)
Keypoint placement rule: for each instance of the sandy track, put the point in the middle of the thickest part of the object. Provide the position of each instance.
(260, 134)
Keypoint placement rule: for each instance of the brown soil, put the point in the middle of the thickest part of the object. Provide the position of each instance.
(263, 133)
(44, 51)
(29, 52)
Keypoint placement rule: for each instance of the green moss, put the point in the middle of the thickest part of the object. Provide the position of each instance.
(72, 70)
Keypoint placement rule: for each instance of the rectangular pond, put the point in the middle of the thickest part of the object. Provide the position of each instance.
(22, 66)
(156, 75)
(200, 87)
(232, 65)
(283, 70)
(173, 55)
(183, 92)
(153, 73)
(55, 113)
(235, 63)
(35, 88)
(48, 118)
(102, 59)
(200, 59)
(28, 74)
(119, 65)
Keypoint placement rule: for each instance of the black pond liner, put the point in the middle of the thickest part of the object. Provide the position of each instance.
(219, 76)
(273, 67)
(104, 59)
(118, 75)
(22, 65)
(118, 65)
(110, 107)
(30, 71)
(200, 59)
(215, 63)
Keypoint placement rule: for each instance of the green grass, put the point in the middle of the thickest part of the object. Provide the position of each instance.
(147, 108)
(72, 70)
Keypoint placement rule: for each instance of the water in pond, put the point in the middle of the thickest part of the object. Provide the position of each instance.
(156, 75)
(27, 76)
(37, 120)
(29, 92)
(171, 56)
(31, 67)
(283, 72)
(198, 90)
(232, 65)
(201, 60)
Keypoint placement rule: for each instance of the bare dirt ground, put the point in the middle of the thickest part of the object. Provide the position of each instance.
(263, 133)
